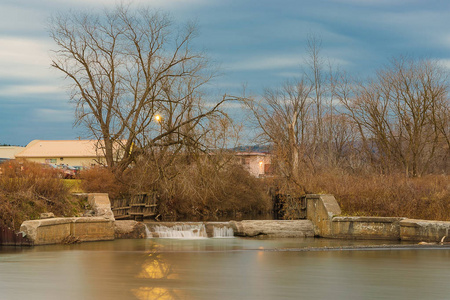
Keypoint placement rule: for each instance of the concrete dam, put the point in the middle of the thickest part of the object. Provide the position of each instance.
(323, 219)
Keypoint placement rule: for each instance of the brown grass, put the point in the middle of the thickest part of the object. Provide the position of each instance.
(28, 189)
(426, 197)
(101, 180)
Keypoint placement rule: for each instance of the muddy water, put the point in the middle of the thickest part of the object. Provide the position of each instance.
(223, 269)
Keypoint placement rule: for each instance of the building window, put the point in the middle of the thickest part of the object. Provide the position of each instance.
(245, 160)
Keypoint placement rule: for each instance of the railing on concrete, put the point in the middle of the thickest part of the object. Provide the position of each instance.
(139, 207)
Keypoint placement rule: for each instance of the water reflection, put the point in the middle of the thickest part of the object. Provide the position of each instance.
(153, 293)
(222, 269)
(156, 270)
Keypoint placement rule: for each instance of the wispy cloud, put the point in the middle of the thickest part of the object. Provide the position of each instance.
(377, 2)
(23, 90)
(53, 115)
(24, 58)
(161, 4)
(445, 63)
(266, 63)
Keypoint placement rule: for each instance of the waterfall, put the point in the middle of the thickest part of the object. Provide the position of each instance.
(148, 232)
(186, 231)
(223, 232)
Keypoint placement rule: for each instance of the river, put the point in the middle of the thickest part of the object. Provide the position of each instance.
(233, 268)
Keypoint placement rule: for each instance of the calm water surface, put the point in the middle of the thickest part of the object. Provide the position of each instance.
(235, 268)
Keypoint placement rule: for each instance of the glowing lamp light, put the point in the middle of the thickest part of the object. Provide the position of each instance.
(158, 118)
(260, 163)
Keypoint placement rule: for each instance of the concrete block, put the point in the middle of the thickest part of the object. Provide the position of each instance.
(47, 231)
(366, 228)
(321, 209)
(101, 205)
(423, 230)
(129, 229)
(87, 229)
(273, 228)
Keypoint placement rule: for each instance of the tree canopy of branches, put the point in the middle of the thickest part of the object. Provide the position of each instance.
(403, 115)
(299, 120)
(283, 116)
(135, 79)
(397, 121)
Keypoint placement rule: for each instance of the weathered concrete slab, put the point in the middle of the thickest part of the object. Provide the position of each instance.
(366, 228)
(320, 210)
(58, 230)
(101, 205)
(273, 228)
(129, 229)
(87, 229)
(47, 231)
(423, 230)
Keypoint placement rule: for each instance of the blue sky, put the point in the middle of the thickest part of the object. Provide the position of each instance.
(258, 43)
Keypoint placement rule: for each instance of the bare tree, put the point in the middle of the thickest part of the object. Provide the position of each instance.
(283, 117)
(135, 79)
(402, 112)
(315, 74)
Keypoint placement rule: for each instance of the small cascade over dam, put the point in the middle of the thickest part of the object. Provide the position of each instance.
(178, 231)
(189, 230)
(223, 232)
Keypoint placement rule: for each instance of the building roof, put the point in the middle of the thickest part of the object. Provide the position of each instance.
(252, 154)
(9, 151)
(61, 148)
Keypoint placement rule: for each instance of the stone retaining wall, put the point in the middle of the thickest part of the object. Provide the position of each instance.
(59, 230)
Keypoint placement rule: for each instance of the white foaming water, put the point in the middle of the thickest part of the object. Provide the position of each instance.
(184, 231)
(223, 232)
(148, 232)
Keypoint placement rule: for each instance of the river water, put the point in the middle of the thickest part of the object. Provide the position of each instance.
(233, 268)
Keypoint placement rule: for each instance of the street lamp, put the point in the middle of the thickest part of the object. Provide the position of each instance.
(158, 119)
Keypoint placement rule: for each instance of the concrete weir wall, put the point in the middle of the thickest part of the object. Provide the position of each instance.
(366, 228)
(59, 230)
(323, 220)
(273, 228)
(423, 230)
(324, 211)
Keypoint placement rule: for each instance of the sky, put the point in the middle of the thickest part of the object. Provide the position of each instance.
(258, 44)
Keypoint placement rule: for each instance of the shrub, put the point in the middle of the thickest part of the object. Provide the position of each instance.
(28, 189)
(425, 197)
(199, 189)
(101, 180)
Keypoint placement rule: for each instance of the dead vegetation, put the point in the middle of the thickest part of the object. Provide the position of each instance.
(394, 195)
(204, 188)
(28, 189)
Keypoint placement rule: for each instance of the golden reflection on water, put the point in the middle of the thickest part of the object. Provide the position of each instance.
(155, 268)
(153, 293)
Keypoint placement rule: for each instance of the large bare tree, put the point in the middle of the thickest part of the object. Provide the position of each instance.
(283, 116)
(134, 77)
